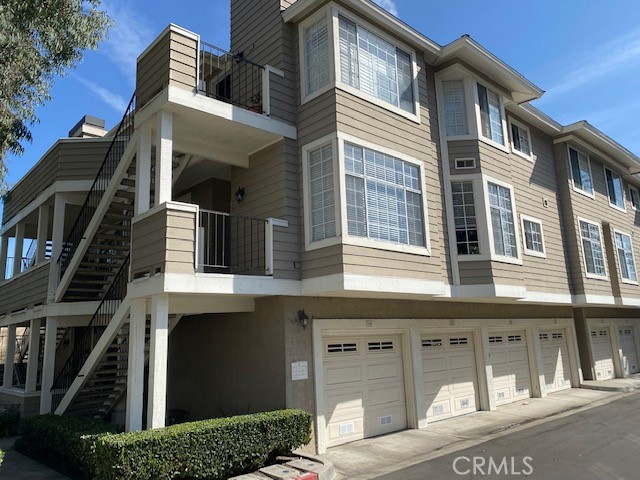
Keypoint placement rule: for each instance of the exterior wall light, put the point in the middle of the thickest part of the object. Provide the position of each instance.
(239, 194)
(303, 319)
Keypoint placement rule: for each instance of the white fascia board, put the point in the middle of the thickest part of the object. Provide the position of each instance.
(301, 8)
(590, 299)
(67, 309)
(488, 290)
(628, 301)
(345, 283)
(536, 117)
(547, 297)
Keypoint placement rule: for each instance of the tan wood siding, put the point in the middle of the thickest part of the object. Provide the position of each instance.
(475, 273)
(463, 149)
(25, 290)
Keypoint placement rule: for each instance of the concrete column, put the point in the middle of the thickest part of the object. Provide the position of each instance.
(57, 239)
(143, 170)
(164, 156)
(34, 356)
(536, 367)
(43, 229)
(4, 247)
(10, 353)
(486, 389)
(48, 364)
(17, 248)
(415, 342)
(135, 374)
(158, 356)
(616, 350)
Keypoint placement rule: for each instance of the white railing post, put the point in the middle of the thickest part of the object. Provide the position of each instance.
(268, 242)
(266, 87)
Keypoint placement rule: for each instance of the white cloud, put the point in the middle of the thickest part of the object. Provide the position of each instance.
(127, 38)
(388, 5)
(619, 54)
(112, 99)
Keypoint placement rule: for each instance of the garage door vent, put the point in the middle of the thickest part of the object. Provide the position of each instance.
(557, 335)
(627, 331)
(543, 336)
(458, 341)
(603, 333)
(346, 429)
(373, 346)
(495, 339)
(341, 347)
(515, 338)
(386, 420)
(432, 342)
(594, 333)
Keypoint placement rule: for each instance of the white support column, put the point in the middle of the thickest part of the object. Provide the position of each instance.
(57, 239)
(536, 365)
(135, 374)
(487, 393)
(4, 247)
(48, 364)
(415, 342)
(34, 356)
(10, 353)
(143, 170)
(164, 156)
(43, 229)
(17, 248)
(158, 356)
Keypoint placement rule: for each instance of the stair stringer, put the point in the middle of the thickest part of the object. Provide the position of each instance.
(98, 216)
(116, 323)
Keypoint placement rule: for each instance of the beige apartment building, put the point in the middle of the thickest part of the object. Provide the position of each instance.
(340, 215)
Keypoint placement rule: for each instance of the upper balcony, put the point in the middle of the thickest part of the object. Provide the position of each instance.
(220, 102)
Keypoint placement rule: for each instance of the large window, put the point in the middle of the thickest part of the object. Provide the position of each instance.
(580, 171)
(490, 114)
(592, 248)
(316, 55)
(384, 197)
(454, 107)
(502, 225)
(533, 237)
(375, 66)
(614, 189)
(464, 215)
(520, 139)
(625, 257)
(322, 208)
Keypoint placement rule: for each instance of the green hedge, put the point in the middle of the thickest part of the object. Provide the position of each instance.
(9, 420)
(64, 442)
(216, 448)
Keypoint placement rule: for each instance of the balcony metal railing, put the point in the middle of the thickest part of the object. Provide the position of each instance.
(230, 78)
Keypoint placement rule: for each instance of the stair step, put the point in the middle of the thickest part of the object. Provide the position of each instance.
(102, 246)
(88, 282)
(94, 273)
(114, 226)
(78, 298)
(109, 236)
(72, 288)
(128, 182)
(117, 215)
(105, 255)
(125, 194)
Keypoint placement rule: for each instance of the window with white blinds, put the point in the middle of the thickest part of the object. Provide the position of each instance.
(490, 114)
(455, 114)
(384, 197)
(322, 208)
(375, 66)
(502, 225)
(316, 55)
(625, 257)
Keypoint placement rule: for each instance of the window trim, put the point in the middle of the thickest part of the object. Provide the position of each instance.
(593, 276)
(613, 205)
(634, 189)
(306, 149)
(633, 255)
(302, 26)
(347, 239)
(517, 260)
(513, 121)
(457, 72)
(526, 251)
(480, 136)
(335, 12)
(480, 227)
(573, 182)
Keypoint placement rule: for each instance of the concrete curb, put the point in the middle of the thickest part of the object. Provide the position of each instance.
(302, 467)
(604, 388)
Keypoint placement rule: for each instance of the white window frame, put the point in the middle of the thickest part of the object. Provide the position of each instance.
(457, 72)
(465, 159)
(573, 183)
(306, 149)
(593, 276)
(505, 133)
(465, 106)
(527, 251)
(370, 242)
(631, 188)
(517, 260)
(336, 11)
(635, 265)
(306, 23)
(613, 205)
(522, 126)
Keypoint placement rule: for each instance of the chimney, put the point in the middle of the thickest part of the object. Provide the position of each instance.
(88, 127)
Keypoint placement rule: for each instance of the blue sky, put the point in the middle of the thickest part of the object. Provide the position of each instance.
(584, 53)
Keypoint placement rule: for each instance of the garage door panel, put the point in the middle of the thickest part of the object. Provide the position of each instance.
(379, 422)
(499, 358)
(627, 345)
(338, 375)
(555, 359)
(351, 402)
(510, 365)
(435, 365)
(384, 371)
(385, 395)
(602, 353)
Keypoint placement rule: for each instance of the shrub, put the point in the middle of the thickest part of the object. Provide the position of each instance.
(214, 448)
(9, 420)
(64, 442)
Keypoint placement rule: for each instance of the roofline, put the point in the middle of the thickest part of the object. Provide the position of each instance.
(584, 127)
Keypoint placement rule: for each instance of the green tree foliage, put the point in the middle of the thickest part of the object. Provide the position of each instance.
(39, 39)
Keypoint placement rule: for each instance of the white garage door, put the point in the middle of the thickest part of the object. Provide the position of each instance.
(555, 360)
(450, 380)
(510, 362)
(628, 347)
(602, 353)
(363, 387)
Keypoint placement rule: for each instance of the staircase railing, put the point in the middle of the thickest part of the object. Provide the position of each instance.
(103, 178)
(19, 365)
(87, 337)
